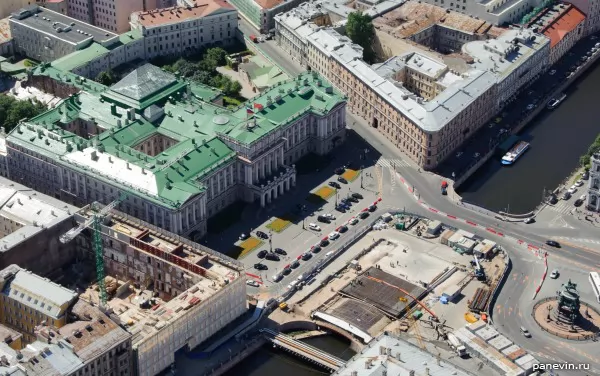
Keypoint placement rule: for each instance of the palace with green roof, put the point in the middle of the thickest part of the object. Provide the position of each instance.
(178, 158)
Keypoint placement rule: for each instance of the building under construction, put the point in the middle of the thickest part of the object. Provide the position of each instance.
(167, 291)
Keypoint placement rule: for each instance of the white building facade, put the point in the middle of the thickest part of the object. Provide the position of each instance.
(593, 193)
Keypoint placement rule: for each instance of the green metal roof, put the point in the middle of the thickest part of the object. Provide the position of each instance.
(171, 177)
(81, 57)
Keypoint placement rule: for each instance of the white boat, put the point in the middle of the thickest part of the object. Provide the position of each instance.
(554, 102)
(514, 153)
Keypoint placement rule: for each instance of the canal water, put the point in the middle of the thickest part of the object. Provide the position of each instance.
(558, 138)
(269, 361)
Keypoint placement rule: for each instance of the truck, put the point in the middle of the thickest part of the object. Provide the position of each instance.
(460, 349)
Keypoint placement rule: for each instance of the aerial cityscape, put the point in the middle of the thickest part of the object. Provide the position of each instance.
(262, 187)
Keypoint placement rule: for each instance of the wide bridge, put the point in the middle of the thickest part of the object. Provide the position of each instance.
(303, 350)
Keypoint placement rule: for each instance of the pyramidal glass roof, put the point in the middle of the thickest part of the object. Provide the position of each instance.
(143, 82)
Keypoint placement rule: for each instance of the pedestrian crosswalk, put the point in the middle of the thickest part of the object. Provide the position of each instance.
(579, 240)
(393, 163)
(563, 207)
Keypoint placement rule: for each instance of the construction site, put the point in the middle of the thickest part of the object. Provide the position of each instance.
(169, 293)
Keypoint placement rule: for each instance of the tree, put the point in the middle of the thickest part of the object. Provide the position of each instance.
(13, 110)
(106, 78)
(216, 56)
(232, 89)
(360, 29)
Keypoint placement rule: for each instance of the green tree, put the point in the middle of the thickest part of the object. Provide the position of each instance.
(216, 56)
(12, 110)
(202, 77)
(233, 89)
(360, 29)
(106, 78)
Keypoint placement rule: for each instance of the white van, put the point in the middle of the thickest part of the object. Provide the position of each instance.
(292, 285)
(329, 254)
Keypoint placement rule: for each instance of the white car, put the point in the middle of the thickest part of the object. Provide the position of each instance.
(552, 72)
(313, 226)
(530, 106)
(572, 190)
(334, 235)
(330, 216)
(353, 221)
(554, 274)
(252, 283)
(579, 183)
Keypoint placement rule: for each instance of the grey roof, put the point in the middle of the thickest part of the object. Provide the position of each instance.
(411, 358)
(38, 293)
(143, 82)
(71, 30)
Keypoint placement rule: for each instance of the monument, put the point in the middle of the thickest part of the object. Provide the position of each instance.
(568, 305)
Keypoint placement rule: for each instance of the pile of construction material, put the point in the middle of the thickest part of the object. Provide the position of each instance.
(480, 300)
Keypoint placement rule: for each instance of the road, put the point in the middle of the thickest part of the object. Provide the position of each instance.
(575, 260)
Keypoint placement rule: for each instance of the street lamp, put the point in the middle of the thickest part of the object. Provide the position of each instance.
(361, 176)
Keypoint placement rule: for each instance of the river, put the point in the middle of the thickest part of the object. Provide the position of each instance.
(269, 361)
(558, 138)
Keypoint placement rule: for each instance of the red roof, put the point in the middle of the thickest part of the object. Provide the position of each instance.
(563, 24)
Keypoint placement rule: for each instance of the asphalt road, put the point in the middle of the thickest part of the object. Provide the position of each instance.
(576, 260)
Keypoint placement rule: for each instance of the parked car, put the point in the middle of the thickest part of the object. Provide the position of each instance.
(306, 256)
(262, 235)
(333, 235)
(372, 208)
(244, 236)
(295, 264)
(364, 215)
(330, 216)
(580, 200)
(288, 269)
(352, 221)
(552, 72)
(573, 189)
(342, 229)
(323, 219)
(357, 195)
(272, 257)
(554, 274)
(530, 106)
(566, 196)
(252, 283)
(314, 227)
(553, 243)
(262, 253)
(335, 185)
(260, 267)
(525, 332)
(324, 242)
(339, 170)
(586, 175)
(280, 251)
(315, 249)
(529, 220)
(341, 208)
(342, 180)
(579, 183)
(352, 199)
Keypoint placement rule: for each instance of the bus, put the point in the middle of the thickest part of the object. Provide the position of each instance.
(595, 281)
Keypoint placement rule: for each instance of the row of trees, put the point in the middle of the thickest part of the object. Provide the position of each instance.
(593, 149)
(360, 29)
(205, 71)
(12, 110)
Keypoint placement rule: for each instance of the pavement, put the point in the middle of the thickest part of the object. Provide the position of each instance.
(405, 186)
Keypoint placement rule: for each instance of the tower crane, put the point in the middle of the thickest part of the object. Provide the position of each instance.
(94, 223)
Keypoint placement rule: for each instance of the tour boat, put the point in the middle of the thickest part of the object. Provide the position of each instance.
(514, 153)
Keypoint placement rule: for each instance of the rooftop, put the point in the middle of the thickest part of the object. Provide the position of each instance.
(174, 109)
(60, 26)
(40, 359)
(558, 21)
(36, 292)
(506, 53)
(32, 210)
(165, 16)
(268, 4)
(397, 357)
(413, 17)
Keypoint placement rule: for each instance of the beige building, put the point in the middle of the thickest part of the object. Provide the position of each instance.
(173, 31)
(111, 15)
(29, 300)
(9, 6)
(564, 25)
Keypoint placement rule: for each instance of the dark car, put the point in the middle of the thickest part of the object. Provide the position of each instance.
(586, 175)
(335, 185)
(287, 270)
(280, 251)
(339, 170)
(357, 195)
(316, 249)
(352, 199)
(372, 208)
(262, 235)
(363, 215)
(324, 242)
(260, 267)
(341, 208)
(342, 180)
(345, 201)
(244, 236)
(553, 199)
(295, 264)
(306, 256)
(342, 229)
(553, 243)
(272, 257)
(262, 253)
(323, 219)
